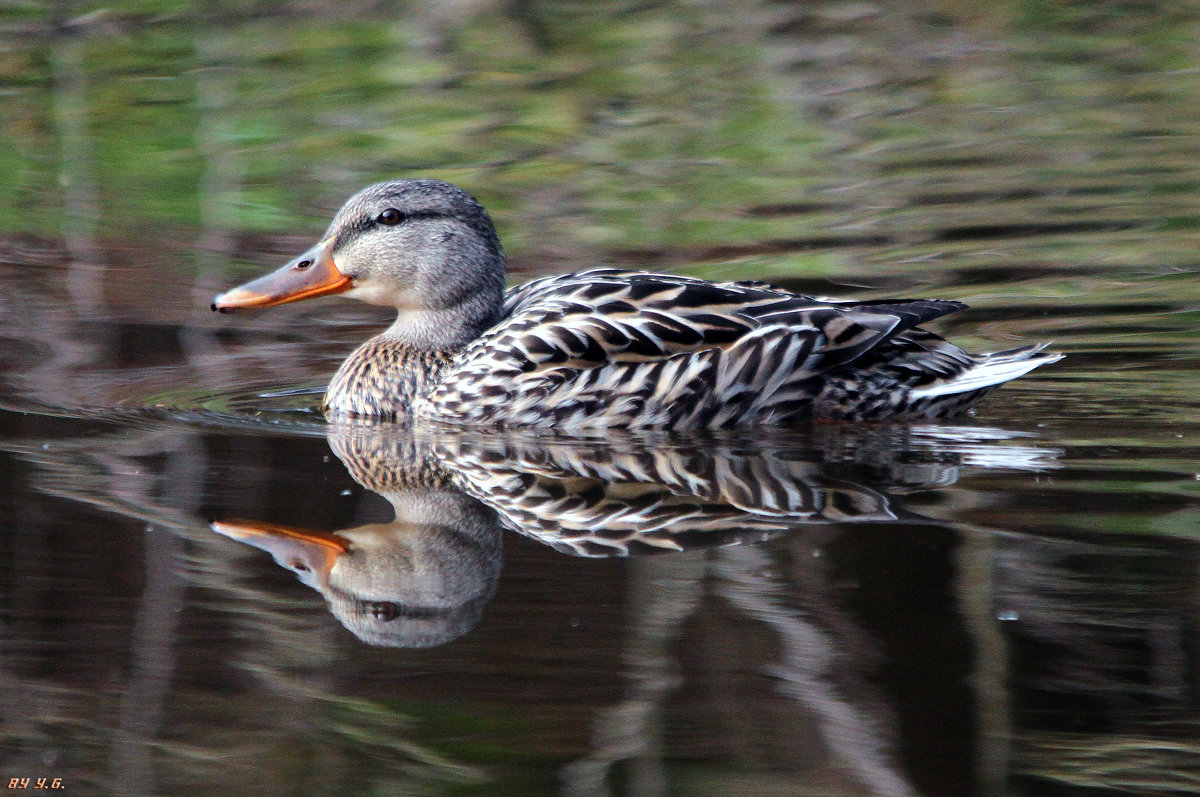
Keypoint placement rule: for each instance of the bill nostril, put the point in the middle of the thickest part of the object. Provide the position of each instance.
(303, 264)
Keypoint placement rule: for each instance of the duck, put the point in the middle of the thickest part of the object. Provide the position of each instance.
(605, 347)
(417, 580)
(425, 576)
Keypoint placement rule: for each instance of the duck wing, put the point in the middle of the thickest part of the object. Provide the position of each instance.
(617, 348)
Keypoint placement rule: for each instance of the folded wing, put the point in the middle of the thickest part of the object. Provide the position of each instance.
(607, 347)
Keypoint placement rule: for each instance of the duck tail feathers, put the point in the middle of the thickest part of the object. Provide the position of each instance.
(991, 369)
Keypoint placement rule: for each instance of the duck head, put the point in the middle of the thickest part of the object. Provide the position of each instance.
(398, 584)
(425, 247)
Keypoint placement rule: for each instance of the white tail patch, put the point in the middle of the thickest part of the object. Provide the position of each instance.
(996, 369)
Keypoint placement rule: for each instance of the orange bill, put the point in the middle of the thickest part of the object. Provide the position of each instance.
(311, 274)
(311, 554)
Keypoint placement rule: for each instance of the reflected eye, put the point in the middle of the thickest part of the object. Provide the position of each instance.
(384, 612)
(390, 217)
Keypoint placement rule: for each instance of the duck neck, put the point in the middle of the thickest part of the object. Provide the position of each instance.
(439, 330)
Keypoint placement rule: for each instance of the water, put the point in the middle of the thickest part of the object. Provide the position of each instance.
(192, 557)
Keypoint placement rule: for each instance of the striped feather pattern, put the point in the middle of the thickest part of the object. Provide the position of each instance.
(383, 377)
(615, 348)
(630, 492)
(608, 500)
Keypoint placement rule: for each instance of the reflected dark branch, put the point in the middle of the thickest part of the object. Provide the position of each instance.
(632, 729)
(152, 665)
(813, 674)
(156, 629)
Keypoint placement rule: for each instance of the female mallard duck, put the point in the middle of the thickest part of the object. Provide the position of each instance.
(606, 347)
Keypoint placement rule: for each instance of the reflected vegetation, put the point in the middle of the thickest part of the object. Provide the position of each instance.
(817, 601)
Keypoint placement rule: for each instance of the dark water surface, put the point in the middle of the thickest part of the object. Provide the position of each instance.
(194, 562)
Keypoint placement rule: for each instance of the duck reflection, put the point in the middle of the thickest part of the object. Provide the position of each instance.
(423, 578)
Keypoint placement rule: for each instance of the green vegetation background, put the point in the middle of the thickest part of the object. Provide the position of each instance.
(585, 126)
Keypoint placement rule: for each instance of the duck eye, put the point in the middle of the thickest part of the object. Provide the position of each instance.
(390, 217)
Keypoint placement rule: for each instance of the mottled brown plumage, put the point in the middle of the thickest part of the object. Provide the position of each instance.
(605, 347)
(383, 377)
